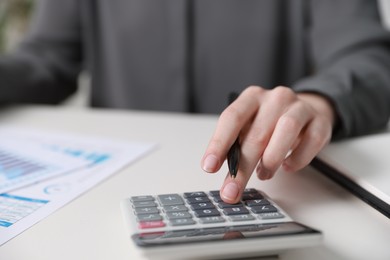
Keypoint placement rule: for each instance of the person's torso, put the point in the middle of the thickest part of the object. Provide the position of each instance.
(186, 55)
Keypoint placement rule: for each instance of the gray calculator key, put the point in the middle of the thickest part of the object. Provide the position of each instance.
(264, 209)
(250, 190)
(177, 215)
(217, 198)
(223, 205)
(214, 192)
(210, 220)
(170, 199)
(144, 204)
(271, 215)
(202, 205)
(149, 217)
(245, 217)
(252, 196)
(182, 221)
(146, 210)
(235, 211)
(197, 200)
(142, 198)
(195, 194)
(207, 213)
(175, 208)
(259, 202)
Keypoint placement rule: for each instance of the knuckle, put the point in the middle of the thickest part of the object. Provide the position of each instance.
(282, 94)
(257, 140)
(289, 123)
(231, 113)
(301, 106)
(283, 90)
(215, 145)
(254, 91)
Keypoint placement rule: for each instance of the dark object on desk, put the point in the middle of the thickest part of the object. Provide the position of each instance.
(233, 156)
(351, 185)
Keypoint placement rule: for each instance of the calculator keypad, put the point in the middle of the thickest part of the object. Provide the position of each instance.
(194, 208)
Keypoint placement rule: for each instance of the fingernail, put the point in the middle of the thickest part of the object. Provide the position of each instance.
(210, 163)
(230, 191)
(263, 173)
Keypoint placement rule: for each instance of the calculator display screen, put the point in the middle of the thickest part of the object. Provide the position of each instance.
(222, 233)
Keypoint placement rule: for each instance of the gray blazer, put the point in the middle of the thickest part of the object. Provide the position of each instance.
(186, 55)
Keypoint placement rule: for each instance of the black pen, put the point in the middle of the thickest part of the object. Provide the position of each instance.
(233, 156)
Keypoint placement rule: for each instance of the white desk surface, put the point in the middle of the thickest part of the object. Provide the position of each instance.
(365, 160)
(91, 226)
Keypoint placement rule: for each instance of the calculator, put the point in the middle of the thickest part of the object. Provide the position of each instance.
(199, 225)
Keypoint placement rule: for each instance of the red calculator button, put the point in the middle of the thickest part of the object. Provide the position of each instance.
(151, 224)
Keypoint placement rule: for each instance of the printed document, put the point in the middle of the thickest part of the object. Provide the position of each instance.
(41, 171)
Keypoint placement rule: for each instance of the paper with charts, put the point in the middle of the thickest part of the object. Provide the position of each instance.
(40, 171)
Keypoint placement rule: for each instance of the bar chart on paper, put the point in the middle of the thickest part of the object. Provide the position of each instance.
(41, 171)
(24, 162)
(12, 167)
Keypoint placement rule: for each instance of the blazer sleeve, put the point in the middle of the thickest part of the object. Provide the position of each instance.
(45, 67)
(349, 53)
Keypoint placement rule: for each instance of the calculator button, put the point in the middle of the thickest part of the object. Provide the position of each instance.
(223, 205)
(207, 213)
(175, 208)
(198, 200)
(259, 202)
(144, 204)
(195, 194)
(217, 198)
(210, 220)
(182, 221)
(149, 217)
(264, 209)
(202, 205)
(151, 224)
(142, 198)
(235, 211)
(250, 190)
(146, 210)
(271, 215)
(170, 199)
(245, 217)
(176, 215)
(252, 196)
(214, 193)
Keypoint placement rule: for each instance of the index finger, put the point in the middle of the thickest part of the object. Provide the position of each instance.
(231, 121)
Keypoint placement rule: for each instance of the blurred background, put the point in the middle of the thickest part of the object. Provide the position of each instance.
(15, 16)
(14, 20)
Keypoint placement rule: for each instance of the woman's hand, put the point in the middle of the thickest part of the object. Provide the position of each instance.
(276, 128)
